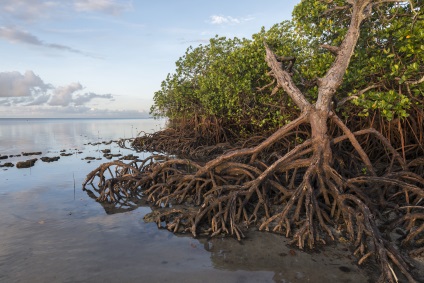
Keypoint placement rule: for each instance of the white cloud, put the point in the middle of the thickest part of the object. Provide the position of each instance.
(63, 96)
(15, 14)
(226, 20)
(219, 20)
(28, 89)
(15, 35)
(86, 97)
(15, 84)
(105, 6)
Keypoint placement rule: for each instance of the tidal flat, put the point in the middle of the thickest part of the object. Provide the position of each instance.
(53, 231)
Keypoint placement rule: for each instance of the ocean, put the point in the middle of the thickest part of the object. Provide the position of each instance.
(53, 231)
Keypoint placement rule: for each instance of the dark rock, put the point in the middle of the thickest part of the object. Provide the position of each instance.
(90, 158)
(31, 153)
(7, 164)
(4, 157)
(26, 164)
(105, 150)
(66, 154)
(129, 157)
(50, 159)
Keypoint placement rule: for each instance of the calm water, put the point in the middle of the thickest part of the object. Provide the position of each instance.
(52, 231)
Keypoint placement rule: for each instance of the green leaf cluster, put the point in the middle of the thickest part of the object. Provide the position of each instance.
(389, 55)
(225, 79)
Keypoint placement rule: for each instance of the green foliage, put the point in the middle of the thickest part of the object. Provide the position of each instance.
(388, 57)
(228, 78)
(224, 78)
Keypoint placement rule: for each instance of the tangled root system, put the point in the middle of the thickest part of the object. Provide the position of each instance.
(294, 190)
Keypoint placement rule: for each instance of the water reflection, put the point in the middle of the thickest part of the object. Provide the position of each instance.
(17, 135)
(111, 208)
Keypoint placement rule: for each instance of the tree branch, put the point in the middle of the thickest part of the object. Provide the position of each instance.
(333, 49)
(285, 80)
(265, 86)
(416, 82)
(334, 76)
(337, 8)
(349, 98)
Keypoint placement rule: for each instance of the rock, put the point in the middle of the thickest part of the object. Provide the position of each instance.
(66, 154)
(129, 157)
(90, 158)
(7, 164)
(50, 159)
(105, 150)
(26, 164)
(4, 157)
(31, 153)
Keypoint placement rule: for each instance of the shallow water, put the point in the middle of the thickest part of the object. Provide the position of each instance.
(52, 231)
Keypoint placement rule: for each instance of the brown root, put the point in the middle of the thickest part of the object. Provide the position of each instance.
(299, 193)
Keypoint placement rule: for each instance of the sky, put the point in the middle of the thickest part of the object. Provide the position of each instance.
(106, 58)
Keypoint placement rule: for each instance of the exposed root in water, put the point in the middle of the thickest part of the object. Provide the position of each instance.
(299, 193)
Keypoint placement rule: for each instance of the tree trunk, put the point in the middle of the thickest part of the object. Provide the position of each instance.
(320, 140)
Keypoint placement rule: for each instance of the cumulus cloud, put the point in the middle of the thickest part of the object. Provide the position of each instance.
(105, 6)
(15, 84)
(222, 20)
(63, 96)
(28, 89)
(16, 35)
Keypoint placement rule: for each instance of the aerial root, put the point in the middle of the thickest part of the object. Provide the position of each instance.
(297, 193)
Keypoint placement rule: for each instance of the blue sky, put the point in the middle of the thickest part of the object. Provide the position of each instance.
(106, 58)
